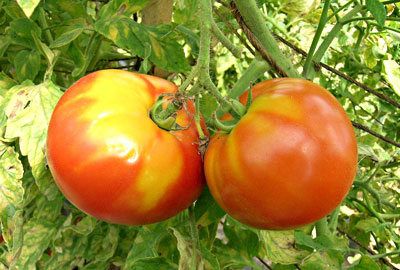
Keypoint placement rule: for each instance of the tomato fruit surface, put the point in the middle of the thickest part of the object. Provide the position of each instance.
(112, 161)
(290, 160)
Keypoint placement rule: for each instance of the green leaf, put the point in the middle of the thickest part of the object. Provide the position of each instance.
(11, 192)
(330, 260)
(366, 263)
(51, 56)
(186, 11)
(14, 10)
(208, 104)
(20, 32)
(206, 209)
(377, 10)
(5, 84)
(4, 43)
(79, 59)
(157, 263)
(108, 246)
(391, 72)
(280, 247)
(66, 8)
(210, 260)
(38, 232)
(14, 101)
(28, 114)
(235, 254)
(121, 7)
(145, 243)
(166, 52)
(187, 252)
(26, 64)
(68, 36)
(28, 6)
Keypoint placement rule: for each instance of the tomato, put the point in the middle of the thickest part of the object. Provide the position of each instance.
(290, 160)
(112, 161)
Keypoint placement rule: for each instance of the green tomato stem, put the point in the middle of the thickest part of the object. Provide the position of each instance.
(43, 24)
(322, 227)
(336, 12)
(255, 21)
(333, 219)
(235, 50)
(328, 40)
(197, 119)
(321, 25)
(390, 2)
(195, 237)
(255, 70)
(382, 255)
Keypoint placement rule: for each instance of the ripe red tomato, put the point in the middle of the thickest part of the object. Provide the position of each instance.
(290, 160)
(112, 161)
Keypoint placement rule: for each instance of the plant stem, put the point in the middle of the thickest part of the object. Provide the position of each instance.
(390, 2)
(322, 22)
(188, 80)
(195, 236)
(205, 39)
(336, 12)
(328, 40)
(197, 118)
(322, 227)
(255, 21)
(382, 255)
(235, 50)
(333, 219)
(256, 68)
(43, 24)
(370, 19)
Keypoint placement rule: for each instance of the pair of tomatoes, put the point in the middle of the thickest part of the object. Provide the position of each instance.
(289, 161)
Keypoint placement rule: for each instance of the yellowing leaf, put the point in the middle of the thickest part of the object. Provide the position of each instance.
(391, 72)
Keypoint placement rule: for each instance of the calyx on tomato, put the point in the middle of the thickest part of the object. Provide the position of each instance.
(112, 161)
(289, 161)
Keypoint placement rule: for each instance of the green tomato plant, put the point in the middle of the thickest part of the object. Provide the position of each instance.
(207, 55)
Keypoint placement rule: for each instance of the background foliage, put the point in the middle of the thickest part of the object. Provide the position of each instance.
(45, 46)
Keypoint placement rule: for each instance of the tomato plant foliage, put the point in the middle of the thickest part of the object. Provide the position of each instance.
(213, 51)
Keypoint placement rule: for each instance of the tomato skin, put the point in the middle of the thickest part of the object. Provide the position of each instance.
(290, 160)
(112, 161)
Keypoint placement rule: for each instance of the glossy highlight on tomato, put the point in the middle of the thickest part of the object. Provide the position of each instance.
(112, 161)
(290, 160)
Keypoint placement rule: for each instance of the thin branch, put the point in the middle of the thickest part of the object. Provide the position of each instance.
(263, 262)
(370, 251)
(383, 138)
(340, 74)
(230, 26)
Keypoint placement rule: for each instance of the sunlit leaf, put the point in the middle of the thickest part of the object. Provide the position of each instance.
(28, 116)
(166, 52)
(189, 253)
(280, 247)
(391, 72)
(28, 6)
(11, 192)
(330, 260)
(39, 232)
